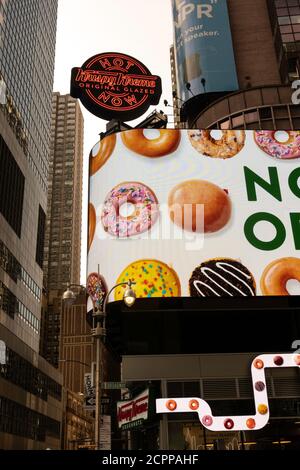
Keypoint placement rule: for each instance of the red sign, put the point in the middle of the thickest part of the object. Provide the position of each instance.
(115, 86)
(133, 410)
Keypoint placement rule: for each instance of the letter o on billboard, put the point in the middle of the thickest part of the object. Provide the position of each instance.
(277, 241)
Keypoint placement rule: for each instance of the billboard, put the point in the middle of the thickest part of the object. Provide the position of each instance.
(196, 213)
(203, 47)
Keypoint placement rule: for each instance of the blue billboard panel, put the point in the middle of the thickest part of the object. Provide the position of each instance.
(203, 47)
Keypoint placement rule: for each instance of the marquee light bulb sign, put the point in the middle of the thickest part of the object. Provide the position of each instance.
(115, 86)
(234, 423)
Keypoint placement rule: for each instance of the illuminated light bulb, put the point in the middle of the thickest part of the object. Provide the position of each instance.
(171, 405)
(297, 359)
(194, 404)
(262, 409)
(260, 386)
(258, 364)
(207, 420)
(250, 423)
(278, 360)
(229, 424)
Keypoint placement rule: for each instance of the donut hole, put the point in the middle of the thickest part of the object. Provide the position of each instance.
(151, 134)
(281, 137)
(126, 210)
(293, 287)
(216, 134)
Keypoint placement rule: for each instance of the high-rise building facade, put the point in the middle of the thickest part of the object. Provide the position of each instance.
(30, 389)
(285, 18)
(264, 39)
(27, 51)
(63, 222)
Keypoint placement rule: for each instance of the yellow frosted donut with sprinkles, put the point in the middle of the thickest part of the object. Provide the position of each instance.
(153, 278)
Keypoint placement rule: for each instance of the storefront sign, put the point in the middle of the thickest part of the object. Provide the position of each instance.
(132, 413)
(235, 423)
(115, 86)
(203, 47)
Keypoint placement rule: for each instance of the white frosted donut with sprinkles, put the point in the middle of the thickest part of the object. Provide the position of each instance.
(144, 209)
(287, 150)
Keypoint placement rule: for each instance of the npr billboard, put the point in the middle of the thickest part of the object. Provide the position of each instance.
(203, 47)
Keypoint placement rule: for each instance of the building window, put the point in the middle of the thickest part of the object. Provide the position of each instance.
(22, 421)
(12, 184)
(22, 373)
(8, 301)
(9, 263)
(40, 238)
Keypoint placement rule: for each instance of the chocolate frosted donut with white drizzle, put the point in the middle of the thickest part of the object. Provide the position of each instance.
(222, 277)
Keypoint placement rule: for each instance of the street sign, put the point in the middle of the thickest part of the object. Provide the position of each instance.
(90, 401)
(105, 401)
(89, 392)
(114, 385)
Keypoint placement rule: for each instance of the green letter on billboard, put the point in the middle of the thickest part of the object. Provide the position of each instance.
(272, 187)
(259, 244)
(293, 182)
(295, 221)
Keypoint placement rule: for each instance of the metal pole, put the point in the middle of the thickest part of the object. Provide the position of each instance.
(98, 392)
(100, 332)
(98, 381)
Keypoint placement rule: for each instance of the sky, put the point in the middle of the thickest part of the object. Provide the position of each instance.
(140, 28)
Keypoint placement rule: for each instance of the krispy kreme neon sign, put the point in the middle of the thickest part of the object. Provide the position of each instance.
(234, 423)
(115, 86)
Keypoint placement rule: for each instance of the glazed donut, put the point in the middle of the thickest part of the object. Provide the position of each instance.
(187, 200)
(166, 143)
(266, 140)
(92, 224)
(101, 152)
(277, 274)
(228, 146)
(143, 217)
(153, 279)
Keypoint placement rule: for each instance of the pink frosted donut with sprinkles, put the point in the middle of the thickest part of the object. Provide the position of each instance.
(144, 210)
(288, 150)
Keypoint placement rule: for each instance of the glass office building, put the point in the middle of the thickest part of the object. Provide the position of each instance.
(30, 389)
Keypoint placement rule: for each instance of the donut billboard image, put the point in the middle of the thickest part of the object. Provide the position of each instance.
(196, 213)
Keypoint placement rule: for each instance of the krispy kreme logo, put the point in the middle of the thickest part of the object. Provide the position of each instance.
(133, 410)
(115, 86)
